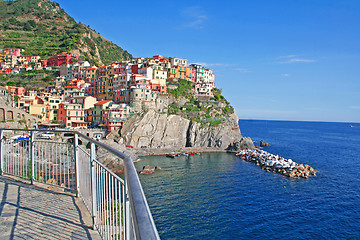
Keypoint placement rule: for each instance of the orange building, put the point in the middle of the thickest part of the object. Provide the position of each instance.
(70, 113)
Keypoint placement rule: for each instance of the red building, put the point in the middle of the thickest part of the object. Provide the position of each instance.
(158, 57)
(61, 59)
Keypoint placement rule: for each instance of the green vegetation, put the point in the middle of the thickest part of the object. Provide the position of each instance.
(228, 109)
(32, 78)
(211, 113)
(43, 28)
(184, 89)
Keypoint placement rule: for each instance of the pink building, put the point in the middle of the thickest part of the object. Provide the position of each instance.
(20, 91)
(15, 51)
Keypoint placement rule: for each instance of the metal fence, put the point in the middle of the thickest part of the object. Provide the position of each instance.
(118, 207)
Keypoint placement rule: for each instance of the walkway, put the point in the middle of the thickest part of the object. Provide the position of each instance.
(41, 212)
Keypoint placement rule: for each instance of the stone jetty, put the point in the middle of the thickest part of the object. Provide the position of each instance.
(276, 164)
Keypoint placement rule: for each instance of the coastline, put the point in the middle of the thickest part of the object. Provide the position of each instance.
(143, 152)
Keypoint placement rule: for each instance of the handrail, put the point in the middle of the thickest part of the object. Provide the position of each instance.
(144, 226)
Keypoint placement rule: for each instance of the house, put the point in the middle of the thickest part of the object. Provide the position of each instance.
(122, 96)
(122, 81)
(115, 115)
(71, 115)
(178, 62)
(204, 89)
(158, 85)
(199, 70)
(16, 51)
(73, 91)
(159, 73)
(20, 91)
(139, 81)
(99, 109)
(10, 60)
(147, 72)
(141, 94)
(87, 102)
(158, 57)
(61, 59)
(209, 77)
(90, 74)
(89, 115)
(52, 111)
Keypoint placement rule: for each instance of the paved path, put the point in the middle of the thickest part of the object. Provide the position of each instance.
(41, 212)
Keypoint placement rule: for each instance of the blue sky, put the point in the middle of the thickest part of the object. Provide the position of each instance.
(273, 59)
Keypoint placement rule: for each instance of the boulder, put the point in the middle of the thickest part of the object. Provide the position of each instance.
(147, 169)
(264, 144)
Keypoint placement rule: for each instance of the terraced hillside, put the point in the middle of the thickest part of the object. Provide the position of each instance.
(42, 28)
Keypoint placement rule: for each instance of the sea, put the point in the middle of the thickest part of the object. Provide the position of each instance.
(219, 196)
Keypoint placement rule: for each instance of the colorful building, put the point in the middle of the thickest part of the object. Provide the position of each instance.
(61, 59)
(115, 115)
(99, 109)
(70, 113)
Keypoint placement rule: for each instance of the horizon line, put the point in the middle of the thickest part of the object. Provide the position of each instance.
(282, 120)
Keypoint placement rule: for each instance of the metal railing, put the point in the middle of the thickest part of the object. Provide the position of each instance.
(118, 207)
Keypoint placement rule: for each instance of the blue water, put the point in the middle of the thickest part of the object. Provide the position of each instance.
(218, 196)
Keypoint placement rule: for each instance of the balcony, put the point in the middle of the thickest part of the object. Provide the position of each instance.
(117, 207)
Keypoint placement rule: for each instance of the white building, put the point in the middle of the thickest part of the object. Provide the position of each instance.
(179, 62)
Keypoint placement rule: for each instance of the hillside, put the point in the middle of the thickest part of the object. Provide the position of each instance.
(212, 112)
(42, 28)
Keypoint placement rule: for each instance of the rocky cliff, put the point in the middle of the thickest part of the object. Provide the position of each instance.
(158, 130)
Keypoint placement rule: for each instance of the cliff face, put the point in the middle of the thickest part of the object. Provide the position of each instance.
(156, 130)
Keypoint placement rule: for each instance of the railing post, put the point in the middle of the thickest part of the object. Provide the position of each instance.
(93, 184)
(32, 157)
(128, 221)
(1, 153)
(76, 158)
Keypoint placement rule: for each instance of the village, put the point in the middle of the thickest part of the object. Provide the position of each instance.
(86, 96)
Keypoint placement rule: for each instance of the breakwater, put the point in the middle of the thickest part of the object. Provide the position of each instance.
(277, 164)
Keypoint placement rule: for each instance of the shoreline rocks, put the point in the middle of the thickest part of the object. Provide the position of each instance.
(147, 169)
(274, 163)
(264, 144)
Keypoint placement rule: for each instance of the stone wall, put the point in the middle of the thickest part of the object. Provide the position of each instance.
(11, 117)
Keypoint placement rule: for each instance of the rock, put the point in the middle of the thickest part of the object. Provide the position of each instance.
(147, 169)
(156, 130)
(275, 163)
(293, 173)
(264, 144)
(246, 143)
(301, 167)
